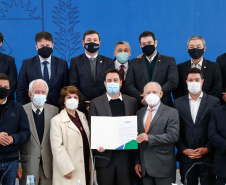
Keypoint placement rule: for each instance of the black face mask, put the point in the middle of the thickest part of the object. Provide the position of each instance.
(148, 50)
(91, 47)
(196, 53)
(45, 52)
(3, 92)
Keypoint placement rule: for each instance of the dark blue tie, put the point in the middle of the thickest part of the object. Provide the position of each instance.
(46, 73)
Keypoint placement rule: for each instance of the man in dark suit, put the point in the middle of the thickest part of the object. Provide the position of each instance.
(193, 145)
(217, 137)
(196, 47)
(8, 67)
(221, 60)
(151, 67)
(43, 66)
(119, 170)
(87, 70)
(158, 129)
(122, 53)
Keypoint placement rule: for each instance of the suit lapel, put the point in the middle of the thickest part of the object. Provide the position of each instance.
(144, 68)
(83, 122)
(204, 67)
(87, 66)
(140, 120)
(53, 69)
(99, 66)
(2, 61)
(47, 118)
(157, 66)
(37, 67)
(187, 109)
(106, 105)
(201, 107)
(126, 104)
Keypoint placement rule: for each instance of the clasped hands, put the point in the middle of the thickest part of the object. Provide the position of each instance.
(195, 153)
(5, 139)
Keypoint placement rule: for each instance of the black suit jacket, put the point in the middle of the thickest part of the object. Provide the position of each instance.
(80, 75)
(101, 107)
(31, 70)
(211, 75)
(217, 137)
(165, 73)
(221, 60)
(194, 135)
(8, 67)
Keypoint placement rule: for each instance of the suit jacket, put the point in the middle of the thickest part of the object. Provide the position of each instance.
(67, 148)
(32, 150)
(157, 156)
(101, 107)
(217, 137)
(31, 70)
(211, 75)
(80, 75)
(194, 135)
(165, 73)
(8, 67)
(221, 60)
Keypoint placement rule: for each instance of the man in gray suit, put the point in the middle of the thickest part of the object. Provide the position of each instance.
(37, 151)
(158, 129)
(119, 169)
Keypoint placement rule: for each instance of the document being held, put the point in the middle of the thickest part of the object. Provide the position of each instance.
(114, 133)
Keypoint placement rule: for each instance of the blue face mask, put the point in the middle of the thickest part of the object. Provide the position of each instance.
(123, 57)
(39, 99)
(112, 88)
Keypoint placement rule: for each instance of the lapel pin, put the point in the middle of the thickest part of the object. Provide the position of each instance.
(101, 61)
(159, 60)
(205, 67)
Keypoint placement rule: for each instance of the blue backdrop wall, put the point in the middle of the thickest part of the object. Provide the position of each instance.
(173, 22)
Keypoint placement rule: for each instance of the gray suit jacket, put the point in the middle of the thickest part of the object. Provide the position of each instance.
(157, 156)
(101, 107)
(32, 150)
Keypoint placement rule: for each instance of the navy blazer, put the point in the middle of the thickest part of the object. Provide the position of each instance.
(165, 73)
(31, 70)
(194, 135)
(217, 137)
(211, 75)
(80, 75)
(221, 60)
(8, 67)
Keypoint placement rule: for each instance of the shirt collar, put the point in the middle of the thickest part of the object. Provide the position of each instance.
(48, 59)
(34, 108)
(200, 96)
(152, 58)
(118, 64)
(109, 98)
(200, 63)
(4, 102)
(89, 57)
(155, 107)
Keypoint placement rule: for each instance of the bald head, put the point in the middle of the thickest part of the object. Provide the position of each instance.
(152, 87)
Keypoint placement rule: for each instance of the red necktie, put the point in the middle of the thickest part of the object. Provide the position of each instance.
(148, 121)
(122, 74)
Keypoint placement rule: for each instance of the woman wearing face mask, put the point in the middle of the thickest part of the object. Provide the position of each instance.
(69, 136)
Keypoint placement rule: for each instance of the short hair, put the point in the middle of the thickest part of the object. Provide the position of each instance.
(153, 83)
(68, 90)
(195, 70)
(1, 37)
(112, 71)
(195, 37)
(31, 85)
(43, 35)
(4, 77)
(89, 32)
(123, 42)
(146, 34)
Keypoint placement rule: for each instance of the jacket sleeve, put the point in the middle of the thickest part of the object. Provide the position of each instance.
(23, 133)
(60, 155)
(22, 86)
(65, 77)
(12, 76)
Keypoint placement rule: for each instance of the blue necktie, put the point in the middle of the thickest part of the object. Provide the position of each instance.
(46, 73)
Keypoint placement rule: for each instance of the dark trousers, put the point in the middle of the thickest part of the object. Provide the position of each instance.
(147, 180)
(118, 172)
(220, 181)
(198, 171)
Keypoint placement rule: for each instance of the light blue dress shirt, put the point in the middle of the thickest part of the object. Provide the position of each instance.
(48, 65)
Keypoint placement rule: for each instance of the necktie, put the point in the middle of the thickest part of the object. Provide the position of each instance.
(148, 121)
(122, 74)
(46, 73)
(37, 112)
(92, 58)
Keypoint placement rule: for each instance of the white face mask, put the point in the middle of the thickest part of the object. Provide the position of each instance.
(194, 87)
(152, 99)
(72, 104)
(39, 99)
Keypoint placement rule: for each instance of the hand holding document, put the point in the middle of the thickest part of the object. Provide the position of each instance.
(114, 132)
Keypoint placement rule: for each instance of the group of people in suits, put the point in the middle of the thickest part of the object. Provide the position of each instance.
(96, 85)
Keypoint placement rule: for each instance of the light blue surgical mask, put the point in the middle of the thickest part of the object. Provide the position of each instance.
(122, 57)
(112, 88)
(39, 99)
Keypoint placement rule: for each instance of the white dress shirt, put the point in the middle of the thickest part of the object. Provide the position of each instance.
(48, 65)
(198, 66)
(150, 60)
(194, 106)
(109, 98)
(153, 113)
(118, 66)
(34, 108)
(89, 57)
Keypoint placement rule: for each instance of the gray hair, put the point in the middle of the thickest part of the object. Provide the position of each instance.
(154, 83)
(195, 37)
(31, 85)
(123, 42)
